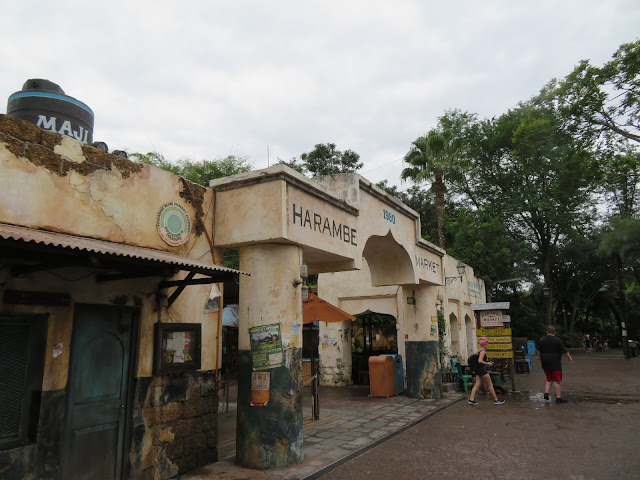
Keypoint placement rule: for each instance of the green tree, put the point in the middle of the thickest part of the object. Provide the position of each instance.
(600, 101)
(294, 163)
(324, 159)
(429, 158)
(200, 172)
(530, 177)
(156, 159)
(621, 180)
(484, 241)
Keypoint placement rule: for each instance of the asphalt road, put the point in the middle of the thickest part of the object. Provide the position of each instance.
(596, 435)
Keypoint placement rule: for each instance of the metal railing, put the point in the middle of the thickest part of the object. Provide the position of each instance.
(315, 397)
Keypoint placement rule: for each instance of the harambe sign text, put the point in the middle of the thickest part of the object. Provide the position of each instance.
(323, 225)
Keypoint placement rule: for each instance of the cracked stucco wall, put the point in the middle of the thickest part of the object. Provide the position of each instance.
(54, 182)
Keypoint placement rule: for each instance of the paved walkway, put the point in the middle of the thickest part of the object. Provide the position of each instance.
(350, 423)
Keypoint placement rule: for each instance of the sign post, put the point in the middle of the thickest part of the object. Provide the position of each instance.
(491, 322)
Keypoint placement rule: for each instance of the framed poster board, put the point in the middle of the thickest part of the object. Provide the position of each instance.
(177, 347)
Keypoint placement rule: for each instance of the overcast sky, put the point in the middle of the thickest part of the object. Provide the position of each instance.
(206, 79)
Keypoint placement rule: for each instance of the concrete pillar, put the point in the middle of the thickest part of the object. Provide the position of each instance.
(421, 346)
(270, 436)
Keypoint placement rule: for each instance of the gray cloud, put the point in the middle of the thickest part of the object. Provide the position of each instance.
(208, 79)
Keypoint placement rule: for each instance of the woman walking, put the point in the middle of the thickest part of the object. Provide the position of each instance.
(482, 374)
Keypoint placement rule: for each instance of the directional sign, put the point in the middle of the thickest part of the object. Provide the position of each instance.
(491, 318)
(499, 346)
(491, 332)
(499, 339)
(505, 354)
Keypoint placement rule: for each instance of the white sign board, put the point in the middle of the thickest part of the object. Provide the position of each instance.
(490, 306)
(491, 323)
(491, 318)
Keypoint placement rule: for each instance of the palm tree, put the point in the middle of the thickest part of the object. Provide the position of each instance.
(430, 156)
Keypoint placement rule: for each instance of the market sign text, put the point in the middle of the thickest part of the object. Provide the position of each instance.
(427, 264)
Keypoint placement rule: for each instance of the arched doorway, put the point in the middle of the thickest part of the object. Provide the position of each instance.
(373, 334)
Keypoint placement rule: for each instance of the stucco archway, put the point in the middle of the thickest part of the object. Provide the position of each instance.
(456, 350)
(471, 339)
(389, 262)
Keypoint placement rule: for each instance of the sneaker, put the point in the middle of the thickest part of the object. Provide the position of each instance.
(472, 402)
(546, 397)
(498, 402)
(561, 400)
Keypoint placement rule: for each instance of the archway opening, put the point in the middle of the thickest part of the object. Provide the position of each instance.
(373, 334)
(471, 339)
(455, 336)
(389, 262)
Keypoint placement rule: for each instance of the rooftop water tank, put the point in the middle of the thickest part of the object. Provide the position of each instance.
(44, 103)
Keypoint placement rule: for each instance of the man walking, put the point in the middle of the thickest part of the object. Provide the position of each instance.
(550, 350)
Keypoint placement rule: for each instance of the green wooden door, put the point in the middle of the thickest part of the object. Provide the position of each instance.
(98, 391)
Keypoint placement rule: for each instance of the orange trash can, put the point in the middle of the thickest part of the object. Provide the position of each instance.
(382, 378)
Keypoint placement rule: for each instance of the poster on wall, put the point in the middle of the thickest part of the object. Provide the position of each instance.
(177, 347)
(260, 382)
(266, 346)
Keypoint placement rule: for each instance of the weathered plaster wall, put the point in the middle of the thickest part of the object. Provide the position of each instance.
(94, 192)
(458, 296)
(52, 182)
(250, 215)
(383, 216)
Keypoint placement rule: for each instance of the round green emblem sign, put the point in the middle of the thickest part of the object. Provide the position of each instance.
(173, 224)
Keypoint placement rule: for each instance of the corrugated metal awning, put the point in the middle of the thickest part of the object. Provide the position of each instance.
(72, 243)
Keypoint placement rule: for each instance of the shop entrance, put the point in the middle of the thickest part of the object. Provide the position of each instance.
(373, 334)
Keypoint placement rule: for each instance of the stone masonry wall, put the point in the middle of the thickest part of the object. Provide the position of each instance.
(175, 425)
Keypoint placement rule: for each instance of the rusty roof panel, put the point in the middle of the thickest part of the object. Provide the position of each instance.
(72, 242)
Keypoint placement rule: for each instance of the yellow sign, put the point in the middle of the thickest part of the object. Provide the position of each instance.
(499, 346)
(504, 354)
(490, 332)
(499, 340)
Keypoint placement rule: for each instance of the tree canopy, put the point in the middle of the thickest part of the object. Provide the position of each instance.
(601, 101)
(198, 171)
(429, 158)
(325, 159)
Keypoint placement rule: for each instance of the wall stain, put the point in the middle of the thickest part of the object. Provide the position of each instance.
(194, 194)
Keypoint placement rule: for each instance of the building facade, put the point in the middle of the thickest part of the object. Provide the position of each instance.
(111, 329)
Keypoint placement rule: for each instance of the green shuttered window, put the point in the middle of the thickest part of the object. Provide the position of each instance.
(22, 344)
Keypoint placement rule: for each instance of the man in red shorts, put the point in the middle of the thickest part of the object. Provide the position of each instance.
(550, 351)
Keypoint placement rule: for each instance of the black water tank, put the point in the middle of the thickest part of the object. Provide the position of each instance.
(44, 103)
